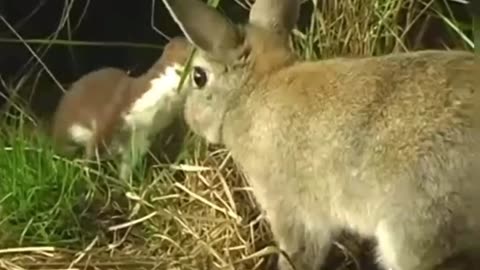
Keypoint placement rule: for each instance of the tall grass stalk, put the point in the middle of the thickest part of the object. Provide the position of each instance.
(42, 195)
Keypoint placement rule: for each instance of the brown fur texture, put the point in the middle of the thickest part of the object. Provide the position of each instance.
(385, 146)
(100, 100)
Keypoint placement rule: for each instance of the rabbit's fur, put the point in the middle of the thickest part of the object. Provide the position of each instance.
(386, 146)
(109, 112)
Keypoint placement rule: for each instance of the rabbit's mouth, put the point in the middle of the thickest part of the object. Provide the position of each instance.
(204, 120)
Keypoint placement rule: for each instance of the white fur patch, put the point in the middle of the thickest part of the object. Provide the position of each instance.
(149, 114)
(387, 254)
(157, 98)
(80, 134)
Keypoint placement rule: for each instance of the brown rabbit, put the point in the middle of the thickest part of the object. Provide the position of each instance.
(109, 112)
(386, 146)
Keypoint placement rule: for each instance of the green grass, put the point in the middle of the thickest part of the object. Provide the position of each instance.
(46, 199)
(42, 195)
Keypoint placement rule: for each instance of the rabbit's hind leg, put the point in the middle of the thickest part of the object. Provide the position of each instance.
(468, 255)
(423, 242)
(462, 262)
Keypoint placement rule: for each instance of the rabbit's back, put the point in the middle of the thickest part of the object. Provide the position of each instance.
(397, 105)
(360, 135)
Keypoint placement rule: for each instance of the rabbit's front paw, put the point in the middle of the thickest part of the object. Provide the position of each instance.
(305, 247)
(298, 261)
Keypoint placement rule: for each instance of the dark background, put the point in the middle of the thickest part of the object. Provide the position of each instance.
(111, 21)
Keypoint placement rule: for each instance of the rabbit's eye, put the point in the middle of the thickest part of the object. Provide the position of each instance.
(199, 77)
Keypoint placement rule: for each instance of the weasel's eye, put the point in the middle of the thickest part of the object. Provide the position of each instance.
(199, 77)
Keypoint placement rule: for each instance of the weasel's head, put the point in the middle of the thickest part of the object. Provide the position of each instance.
(172, 62)
(160, 97)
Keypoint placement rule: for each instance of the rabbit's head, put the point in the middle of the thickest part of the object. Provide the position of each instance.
(231, 59)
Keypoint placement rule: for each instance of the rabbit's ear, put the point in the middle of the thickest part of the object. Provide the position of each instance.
(204, 26)
(276, 15)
